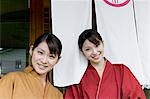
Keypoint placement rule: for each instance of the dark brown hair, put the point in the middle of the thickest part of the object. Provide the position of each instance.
(54, 44)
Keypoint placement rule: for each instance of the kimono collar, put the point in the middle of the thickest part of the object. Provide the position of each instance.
(92, 67)
(29, 69)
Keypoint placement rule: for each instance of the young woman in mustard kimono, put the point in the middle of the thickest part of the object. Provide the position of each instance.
(33, 82)
(102, 79)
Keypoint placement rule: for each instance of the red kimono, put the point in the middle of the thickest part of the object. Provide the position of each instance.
(117, 82)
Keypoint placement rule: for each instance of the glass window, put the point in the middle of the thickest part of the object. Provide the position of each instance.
(14, 35)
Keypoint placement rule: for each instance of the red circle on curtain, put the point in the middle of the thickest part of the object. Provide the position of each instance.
(117, 3)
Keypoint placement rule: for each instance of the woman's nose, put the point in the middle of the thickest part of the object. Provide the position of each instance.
(94, 51)
(44, 59)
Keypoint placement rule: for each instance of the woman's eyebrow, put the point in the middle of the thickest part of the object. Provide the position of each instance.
(40, 49)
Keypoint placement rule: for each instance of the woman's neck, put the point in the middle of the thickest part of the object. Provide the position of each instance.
(44, 80)
(99, 66)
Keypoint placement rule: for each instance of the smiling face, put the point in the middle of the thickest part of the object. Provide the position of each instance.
(42, 60)
(94, 53)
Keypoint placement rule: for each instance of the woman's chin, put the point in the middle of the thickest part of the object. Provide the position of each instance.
(95, 61)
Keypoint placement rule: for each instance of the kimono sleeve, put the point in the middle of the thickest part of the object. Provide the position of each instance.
(131, 88)
(6, 86)
(73, 92)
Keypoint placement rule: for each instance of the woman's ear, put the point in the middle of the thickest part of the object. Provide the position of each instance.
(31, 51)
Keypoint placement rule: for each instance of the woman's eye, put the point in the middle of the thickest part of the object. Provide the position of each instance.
(40, 52)
(51, 56)
(97, 46)
(87, 49)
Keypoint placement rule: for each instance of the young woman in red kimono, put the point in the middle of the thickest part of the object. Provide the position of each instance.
(102, 80)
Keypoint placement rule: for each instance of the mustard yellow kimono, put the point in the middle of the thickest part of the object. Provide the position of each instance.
(26, 85)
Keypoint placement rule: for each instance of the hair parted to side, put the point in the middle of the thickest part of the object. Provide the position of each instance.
(53, 42)
(91, 35)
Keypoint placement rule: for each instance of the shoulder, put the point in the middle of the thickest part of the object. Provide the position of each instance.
(124, 71)
(12, 75)
(17, 73)
(124, 68)
(10, 78)
(120, 68)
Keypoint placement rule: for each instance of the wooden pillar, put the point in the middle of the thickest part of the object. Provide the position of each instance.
(47, 16)
(40, 20)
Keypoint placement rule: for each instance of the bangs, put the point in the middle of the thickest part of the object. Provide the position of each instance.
(53, 46)
(95, 41)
